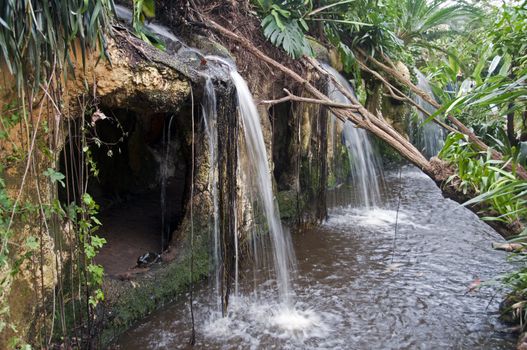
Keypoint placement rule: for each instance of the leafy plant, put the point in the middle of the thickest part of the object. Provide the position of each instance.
(88, 225)
(145, 10)
(36, 36)
(494, 186)
(289, 34)
(285, 31)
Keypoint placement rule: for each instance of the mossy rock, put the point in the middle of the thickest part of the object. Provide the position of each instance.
(321, 52)
(288, 202)
(130, 301)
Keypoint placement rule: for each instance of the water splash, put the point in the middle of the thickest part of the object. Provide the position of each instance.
(364, 162)
(428, 137)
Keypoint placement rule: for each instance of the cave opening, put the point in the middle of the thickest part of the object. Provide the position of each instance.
(139, 178)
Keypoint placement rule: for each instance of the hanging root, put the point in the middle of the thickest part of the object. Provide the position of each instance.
(192, 339)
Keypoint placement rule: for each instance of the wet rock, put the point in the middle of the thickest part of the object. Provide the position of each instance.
(148, 259)
(522, 342)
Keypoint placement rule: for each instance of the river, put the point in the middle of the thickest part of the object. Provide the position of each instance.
(359, 286)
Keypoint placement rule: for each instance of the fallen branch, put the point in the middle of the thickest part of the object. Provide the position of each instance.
(401, 96)
(291, 97)
(367, 115)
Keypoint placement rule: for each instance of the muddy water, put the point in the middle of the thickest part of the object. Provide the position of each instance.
(357, 289)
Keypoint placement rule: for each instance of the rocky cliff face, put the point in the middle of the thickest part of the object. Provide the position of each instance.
(141, 110)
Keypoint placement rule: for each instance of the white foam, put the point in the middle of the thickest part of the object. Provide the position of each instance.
(294, 320)
(378, 218)
(249, 321)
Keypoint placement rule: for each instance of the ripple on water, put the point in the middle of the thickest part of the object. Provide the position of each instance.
(378, 218)
(359, 288)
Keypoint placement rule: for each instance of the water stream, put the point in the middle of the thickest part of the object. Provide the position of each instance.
(428, 137)
(165, 173)
(364, 161)
(256, 167)
(126, 15)
(359, 290)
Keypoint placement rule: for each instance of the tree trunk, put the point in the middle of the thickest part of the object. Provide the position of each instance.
(520, 170)
(523, 136)
(511, 135)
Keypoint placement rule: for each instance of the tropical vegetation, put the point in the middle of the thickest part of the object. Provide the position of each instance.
(473, 53)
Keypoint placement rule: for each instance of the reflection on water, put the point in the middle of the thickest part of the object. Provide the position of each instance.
(356, 289)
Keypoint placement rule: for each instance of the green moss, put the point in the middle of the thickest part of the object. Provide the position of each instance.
(390, 157)
(290, 204)
(137, 299)
(321, 52)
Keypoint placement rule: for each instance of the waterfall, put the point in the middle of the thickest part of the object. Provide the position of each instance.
(364, 162)
(126, 15)
(257, 168)
(428, 137)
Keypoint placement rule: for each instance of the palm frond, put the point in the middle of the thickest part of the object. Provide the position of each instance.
(36, 35)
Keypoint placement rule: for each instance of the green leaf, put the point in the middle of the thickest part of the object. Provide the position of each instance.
(291, 38)
(55, 176)
(149, 8)
(32, 243)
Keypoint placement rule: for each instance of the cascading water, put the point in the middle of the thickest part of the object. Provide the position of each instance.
(428, 137)
(257, 168)
(259, 310)
(126, 15)
(364, 162)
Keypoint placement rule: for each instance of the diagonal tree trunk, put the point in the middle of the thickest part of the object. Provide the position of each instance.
(520, 171)
(436, 169)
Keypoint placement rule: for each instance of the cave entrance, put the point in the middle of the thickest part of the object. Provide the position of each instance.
(141, 186)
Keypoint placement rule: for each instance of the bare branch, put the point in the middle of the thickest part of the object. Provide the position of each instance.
(292, 97)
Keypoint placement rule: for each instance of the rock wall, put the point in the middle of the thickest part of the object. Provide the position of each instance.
(136, 87)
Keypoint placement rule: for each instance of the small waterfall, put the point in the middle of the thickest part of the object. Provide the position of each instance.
(364, 162)
(257, 168)
(428, 137)
(210, 118)
(126, 15)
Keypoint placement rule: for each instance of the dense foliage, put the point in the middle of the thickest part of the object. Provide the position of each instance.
(475, 57)
(474, 54)
(37, 36)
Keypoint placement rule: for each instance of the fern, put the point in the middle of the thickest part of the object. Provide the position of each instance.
(288, 34)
